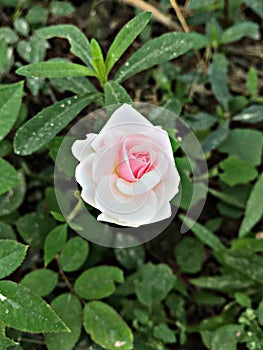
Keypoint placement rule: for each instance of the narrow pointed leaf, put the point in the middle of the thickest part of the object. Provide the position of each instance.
(159, 50)
(55, 70)
(10, 103)
(22, 309)
(254, 208)
(44, 126)
(79, 44)
(125, 37)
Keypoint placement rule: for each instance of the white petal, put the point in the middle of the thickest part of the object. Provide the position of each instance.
(84, 172)
(145, 184)
(131, 210)
(107, 218)
(126, 118)
(163, 213)
(81, 148)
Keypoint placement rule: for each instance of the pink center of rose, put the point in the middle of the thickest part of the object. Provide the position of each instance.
(135, 160)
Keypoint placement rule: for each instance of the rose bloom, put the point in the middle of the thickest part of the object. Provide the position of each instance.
(127, 171)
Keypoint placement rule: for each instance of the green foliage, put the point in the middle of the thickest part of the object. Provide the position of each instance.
(41, 281)
(152, 296)
(14, 303)
(113, 331)
(10, 102)
(74, 254)
(98, 282)
(39, 130)
(11, 256)
(68, 308)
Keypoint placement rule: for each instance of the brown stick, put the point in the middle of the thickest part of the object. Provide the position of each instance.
(180, 16)
(157, 14)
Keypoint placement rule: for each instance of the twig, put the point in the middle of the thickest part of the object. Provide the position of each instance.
(157, 14)
(180, 16)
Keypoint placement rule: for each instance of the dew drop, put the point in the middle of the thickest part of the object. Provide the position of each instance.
(62, 106)
(7, 311)
(51, 124)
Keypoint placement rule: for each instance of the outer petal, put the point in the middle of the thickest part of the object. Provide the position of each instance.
(81, 148)
(84, 178)
(128, 119)
(163, 213)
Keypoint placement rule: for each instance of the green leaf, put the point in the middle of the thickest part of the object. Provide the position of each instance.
(218, 79)
(10, 103)
(6, 231)
(225, 283)
(239, 30)
(148, 289)
(254, 211)
(244, 144)
(112, 333)
(98, 61)
(225, 337)
(54, 242)
(256, 6)
(252, 82)
(77, 85)
(6, 342)
(34, 227)
(237, 171)
(12, 255)
(3, 54)
(251, 244)
(199, 40)
(79, 44)
(130, 258)
(55, 70)
(125, 37)
(32, 50)
(41, 281)
(246, 263)
(68, 308)
(8, 35)
(74, 254)
(37, 14)
(21, 26)
(250, 115)
(98, 282)
(164, 333)
(200, 121)
(9, 178)
(204, 235)
(11, 200)
(44, 126)
(242, 299)
(61, 8)
(22, 309)
(115, 94)
(215, 138)
(156, 51)
(189, 253)
(260, 312)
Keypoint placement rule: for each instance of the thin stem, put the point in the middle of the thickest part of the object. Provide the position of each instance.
(76, 209)
(34, 341)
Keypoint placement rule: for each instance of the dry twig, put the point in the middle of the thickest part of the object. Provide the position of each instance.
(180, 16)
(157, 14)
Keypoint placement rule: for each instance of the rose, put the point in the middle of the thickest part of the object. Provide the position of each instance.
(127, 171)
